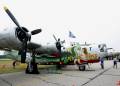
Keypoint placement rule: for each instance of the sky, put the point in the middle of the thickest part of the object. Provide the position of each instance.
(93, 21)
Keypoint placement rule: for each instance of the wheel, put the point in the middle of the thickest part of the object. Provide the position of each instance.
(58, 66)
(119, 60)
(32, 69)
(82, 68)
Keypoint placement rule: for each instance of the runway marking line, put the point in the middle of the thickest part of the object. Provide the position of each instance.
(6, 81)
(96, 76)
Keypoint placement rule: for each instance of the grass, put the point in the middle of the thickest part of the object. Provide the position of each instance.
(7, 67)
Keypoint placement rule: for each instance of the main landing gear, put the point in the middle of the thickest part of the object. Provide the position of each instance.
(32, 67)
(82, 67)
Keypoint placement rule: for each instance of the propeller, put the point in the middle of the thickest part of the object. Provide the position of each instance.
(55, 38)
(27, 36)
(58, 43)
(36, 31)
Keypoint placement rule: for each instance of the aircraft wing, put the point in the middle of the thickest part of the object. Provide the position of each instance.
(32, 45)
(42, 49)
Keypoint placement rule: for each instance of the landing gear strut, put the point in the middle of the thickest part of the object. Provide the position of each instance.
(32, 66)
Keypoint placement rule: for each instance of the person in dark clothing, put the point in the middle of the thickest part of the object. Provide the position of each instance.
(115, 62)
(14, 64)
(58, 45)
(102, 63)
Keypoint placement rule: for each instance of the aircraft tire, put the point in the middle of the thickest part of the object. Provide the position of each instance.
(33, 69)
(58, 67)
(82, 68)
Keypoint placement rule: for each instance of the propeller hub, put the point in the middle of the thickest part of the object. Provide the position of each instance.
(23, 35)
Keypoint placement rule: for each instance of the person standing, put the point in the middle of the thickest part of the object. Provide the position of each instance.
(102, 63)
(14, 64)
(115, 62)
(58, 45)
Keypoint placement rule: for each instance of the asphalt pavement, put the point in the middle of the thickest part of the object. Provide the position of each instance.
(68, 76)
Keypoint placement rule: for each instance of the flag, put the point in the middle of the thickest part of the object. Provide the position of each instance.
(71, 35)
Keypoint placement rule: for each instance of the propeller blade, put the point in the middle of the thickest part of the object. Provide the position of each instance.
(55, 37)
(13, 18)
(36, 31)
(63, 41)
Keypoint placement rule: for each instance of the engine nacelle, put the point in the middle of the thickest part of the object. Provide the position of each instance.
(47, 49)
(10, 38)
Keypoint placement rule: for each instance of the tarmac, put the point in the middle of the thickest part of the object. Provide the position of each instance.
(68, 76)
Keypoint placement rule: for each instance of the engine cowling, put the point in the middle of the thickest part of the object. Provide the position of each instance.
(11, 38)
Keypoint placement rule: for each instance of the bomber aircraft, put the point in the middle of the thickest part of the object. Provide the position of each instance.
(19, 38)
(79, 54)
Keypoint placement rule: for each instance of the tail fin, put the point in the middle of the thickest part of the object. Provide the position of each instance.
(71, 35)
